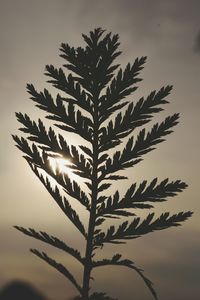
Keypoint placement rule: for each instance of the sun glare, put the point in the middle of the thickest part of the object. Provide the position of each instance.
(60, 164)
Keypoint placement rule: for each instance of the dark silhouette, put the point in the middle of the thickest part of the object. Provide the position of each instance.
(18, 290)
(93, 104)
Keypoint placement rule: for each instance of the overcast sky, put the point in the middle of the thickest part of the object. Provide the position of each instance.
(168, 32)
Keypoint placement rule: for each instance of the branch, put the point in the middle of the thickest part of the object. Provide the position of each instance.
(51, 240)
(116, 260)
(58, 145)
(105, 52)
(134, 116)
(73, 120)
(41, 161)
(136, 228)
(144, 143)
(120, 87)
(71, 188)
(70, 87)
(112, 207)
(57, 266)
(62, 202)
(138, 197)
(75, 58)
(32, 153)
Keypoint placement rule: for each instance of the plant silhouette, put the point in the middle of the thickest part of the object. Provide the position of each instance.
(93, 104)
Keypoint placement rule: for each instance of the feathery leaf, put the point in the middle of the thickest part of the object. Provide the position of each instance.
(51, 240)
(120, 87)
(137, 227)
(137, 198)
(134, 116)
(70, 87)
(116, 260)
(57, 145)
(58, 266)
(62, 202)
(72, 120)
(144, 143)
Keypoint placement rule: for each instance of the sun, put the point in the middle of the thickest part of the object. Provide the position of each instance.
(61, 165)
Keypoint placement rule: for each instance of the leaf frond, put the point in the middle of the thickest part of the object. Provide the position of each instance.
(118, 261)
(33, 155)
(138, 197)
(50, 142)
(72, 120)
(62, 202)
(70, 87)
(135, 116)
(138, 228)
(120, 87)
(145, 142)
(99, 53)
(36, 159)
(51, 240)
(58, 266)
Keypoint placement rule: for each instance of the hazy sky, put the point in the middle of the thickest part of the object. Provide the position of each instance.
(168, 32)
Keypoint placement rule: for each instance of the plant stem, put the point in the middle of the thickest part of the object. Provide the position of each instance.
(91, 227)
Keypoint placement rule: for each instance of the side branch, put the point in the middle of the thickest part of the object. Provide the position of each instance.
(141, 197)
(70, 87)
(51, 240)
(135, 116)
(136, 228)
(34, 157)
(71, 120)
(144, 143)
(121, 86)
(117, 261)
(62, 202)
(57, 266)
(56, 145)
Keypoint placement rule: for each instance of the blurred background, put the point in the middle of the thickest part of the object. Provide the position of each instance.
(168, 32)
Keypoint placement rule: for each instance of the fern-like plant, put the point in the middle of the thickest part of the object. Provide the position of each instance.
(93, 104)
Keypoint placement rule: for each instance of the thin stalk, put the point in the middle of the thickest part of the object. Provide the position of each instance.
(91, 227)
